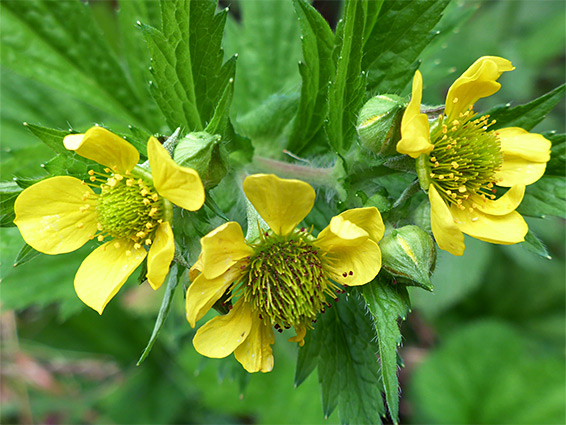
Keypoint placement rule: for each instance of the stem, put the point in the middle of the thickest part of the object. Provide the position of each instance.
(315, 176)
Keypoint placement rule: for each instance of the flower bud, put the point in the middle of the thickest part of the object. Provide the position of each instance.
(379, 123)
(204, 153)
(409, 253)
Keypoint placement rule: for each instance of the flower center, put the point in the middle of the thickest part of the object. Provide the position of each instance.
(126, 207)
(286, 281)
(465, 157)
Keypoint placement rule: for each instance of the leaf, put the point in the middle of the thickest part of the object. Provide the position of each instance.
(172, 282)
(219, 122)
(487, 373)
(317, 70)
(346, 92)
(535, 245)
(51, 137)
(557, 163)
(64, 38)
(528, 115)
(268, 47)
(388, 303)
(27, 253)
(545, 197)
(343, 342)
(403, 30)
(9, 191)
(186, 62)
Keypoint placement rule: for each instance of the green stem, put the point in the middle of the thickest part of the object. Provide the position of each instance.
(313, 175)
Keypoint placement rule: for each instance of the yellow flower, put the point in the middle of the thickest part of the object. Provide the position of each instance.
(284, 278)
(459, 161)
(131, 206)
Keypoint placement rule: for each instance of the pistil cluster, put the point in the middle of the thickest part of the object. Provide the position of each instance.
(127, 207)
(286, 281)
(465, 158)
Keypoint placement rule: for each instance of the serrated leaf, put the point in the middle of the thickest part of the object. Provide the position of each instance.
(50, 136)
(545, 197)
(64, 38)
(172, 282)
(9, 191)
(317, 70)
(388, 303)
(528, 115)
(219, 122)
(403, 30)
(189, 77)
(535, 245)
(348, 371)
(346, 92)
(27, 253)
(267, 42)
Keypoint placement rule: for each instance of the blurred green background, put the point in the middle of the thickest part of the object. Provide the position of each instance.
(486, 347)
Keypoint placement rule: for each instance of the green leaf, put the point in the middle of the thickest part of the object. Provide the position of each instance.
(488, 373)
(343, 346)
(9, 191)
(186, 62)
(403, 30)
(346, 92)
(317, 69)
(51, 137)
(388, 303)
(528, 115)
(172, 282)
(268, 47)
(535, 245)
(557, 163)
(545, 197)
(64, 38)
(27, 253)
(219, 122)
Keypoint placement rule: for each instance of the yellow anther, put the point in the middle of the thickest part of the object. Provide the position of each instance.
(80, 225)
(91, 172)
(146, 201)
(454, 196)
(444, 128)
(92, 179)
(453, 129)
(99, 226)
(118, 177)
(444, 137)
(471, 209)
(160, 221)
(455, 100)
(128, 253)
(454, 164)
(115, 168)
(137, 246)
(84, 207)
(144, 192)
(140, 182)
(462, 189)
(449, 192)
(100, 238)
(141, 234)
(130, 182)
(116, 244)
(449, 146)
(148, 242)
(490, 185)
(112, 182)
(432, 175)
(455, 123)
(440, 177)
(433, 158)
(451, 175)
(437, 164)
(148, 225)
(155, 197)
(152, 212)
(107, 170)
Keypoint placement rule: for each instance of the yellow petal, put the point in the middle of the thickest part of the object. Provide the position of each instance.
(478, 81)
(160, 255)
(520, 143)
(502, 206)
(220, 336)
(517, 171)
(104, 147)
(445, 231)
(368, 219)
(203, 293)
(282, 203)
(196, 268)
(255, 352)
(501, 229)
(300, 337)
(415, 130)
(181, 185)
(105, 270)
(49, 216)
(352, 257)
(222, 248)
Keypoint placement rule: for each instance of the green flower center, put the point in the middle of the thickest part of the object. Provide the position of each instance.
(127, 207)
(465, 158)
(286, 281)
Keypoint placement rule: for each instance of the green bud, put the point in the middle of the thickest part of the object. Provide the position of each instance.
(379, 123)
(204, 153)
(409, 254)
